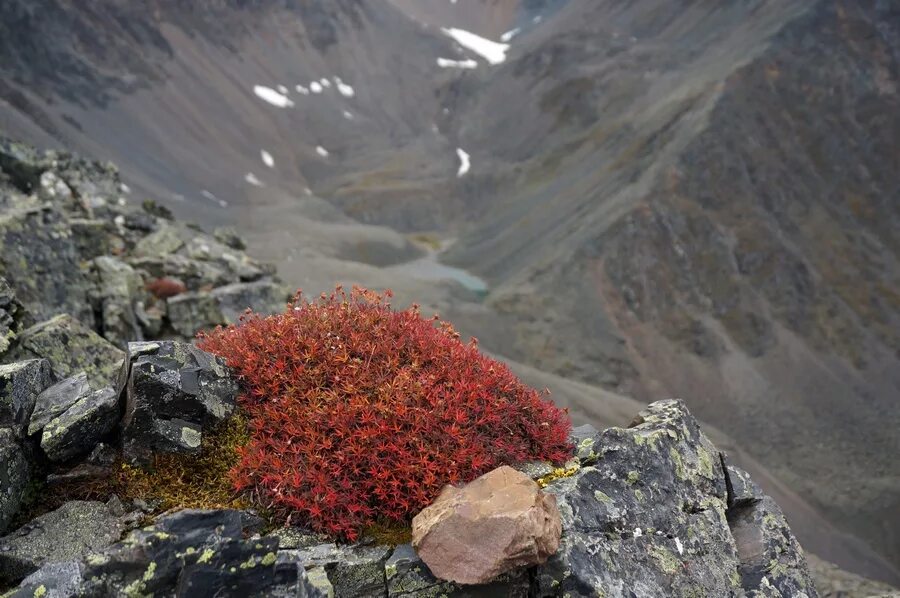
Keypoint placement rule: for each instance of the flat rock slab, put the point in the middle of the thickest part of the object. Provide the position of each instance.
(82, 426)
(73, 531)
(192, 312)
(54, 400)
(71, 347)
(497, 523)
(20, 385)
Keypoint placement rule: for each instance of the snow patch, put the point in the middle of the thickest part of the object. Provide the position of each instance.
(302, 90)
(282, 90)
(315, 87)
(510, 34)
(251, 179)
(271, 96)
(465, 163)
(537, 19)
(321, 151)
(493, 52)
(267, 158)
(345, 90)
(325, 82)
(448, 63)
(209, 195)
(679, 546)
(348, 115)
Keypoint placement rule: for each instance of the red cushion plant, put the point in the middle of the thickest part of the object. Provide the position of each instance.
(360, 413)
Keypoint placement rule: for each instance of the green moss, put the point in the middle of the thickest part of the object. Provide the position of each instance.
(150, 572)
(269, 559)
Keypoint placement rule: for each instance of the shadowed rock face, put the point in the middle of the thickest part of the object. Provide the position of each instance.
(666, 198)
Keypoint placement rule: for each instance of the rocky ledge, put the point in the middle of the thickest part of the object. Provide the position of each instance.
(97, 303)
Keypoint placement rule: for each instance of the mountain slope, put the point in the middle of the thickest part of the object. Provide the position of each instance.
(718, 206)
(665, 198)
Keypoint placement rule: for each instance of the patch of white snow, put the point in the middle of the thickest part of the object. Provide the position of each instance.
(315, 87)
(346, 90)
(492, 51)
(282, 90)
(302, 90)
(321, 151)
(267, 158)
(448, 63)
(465, 163)
(325, 82)
(271, 96)
(348, 115)
(679, 546)
(251, 179)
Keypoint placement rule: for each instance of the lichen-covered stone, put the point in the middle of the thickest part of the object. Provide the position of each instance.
(172, 391)
(13, 316)
(55, 399)
(71, 532)
(15, 475)
(71, 347)
(20, 385)
(353, 571)
(191, 312)
(39, 259)
(119, 289)
(188, 553)
(82, 426)
(650, 517)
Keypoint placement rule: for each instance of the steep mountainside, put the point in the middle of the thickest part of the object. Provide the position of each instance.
(659, 198)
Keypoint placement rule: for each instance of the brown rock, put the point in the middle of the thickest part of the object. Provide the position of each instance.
(499, 522)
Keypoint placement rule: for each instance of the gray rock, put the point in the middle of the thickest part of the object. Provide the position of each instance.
(196, 274)
(172, 391)
(39, 259)
(53, 401)
(586, 439)
(82, 426)
(15, 476)
(229, 237)
(353, 571)
(93, 237)
(650, 516)
(165, 240)
(189, 553)
(73, 531)
(191, 312)
(771, 560)
(407, 575)
(119, 289)
(20, 385)
(58, 580)
(71, 347)
(13, 316)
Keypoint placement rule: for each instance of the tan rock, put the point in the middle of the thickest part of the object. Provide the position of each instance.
(499, 522)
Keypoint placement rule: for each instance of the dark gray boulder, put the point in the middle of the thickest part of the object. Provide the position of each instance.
(82, 426)
(649, 512)
(191, 312)
(173, 390)
(55, 399)
(15, 476)
(20, 385)
(71, 347)
(189, 553)
(71, 532)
